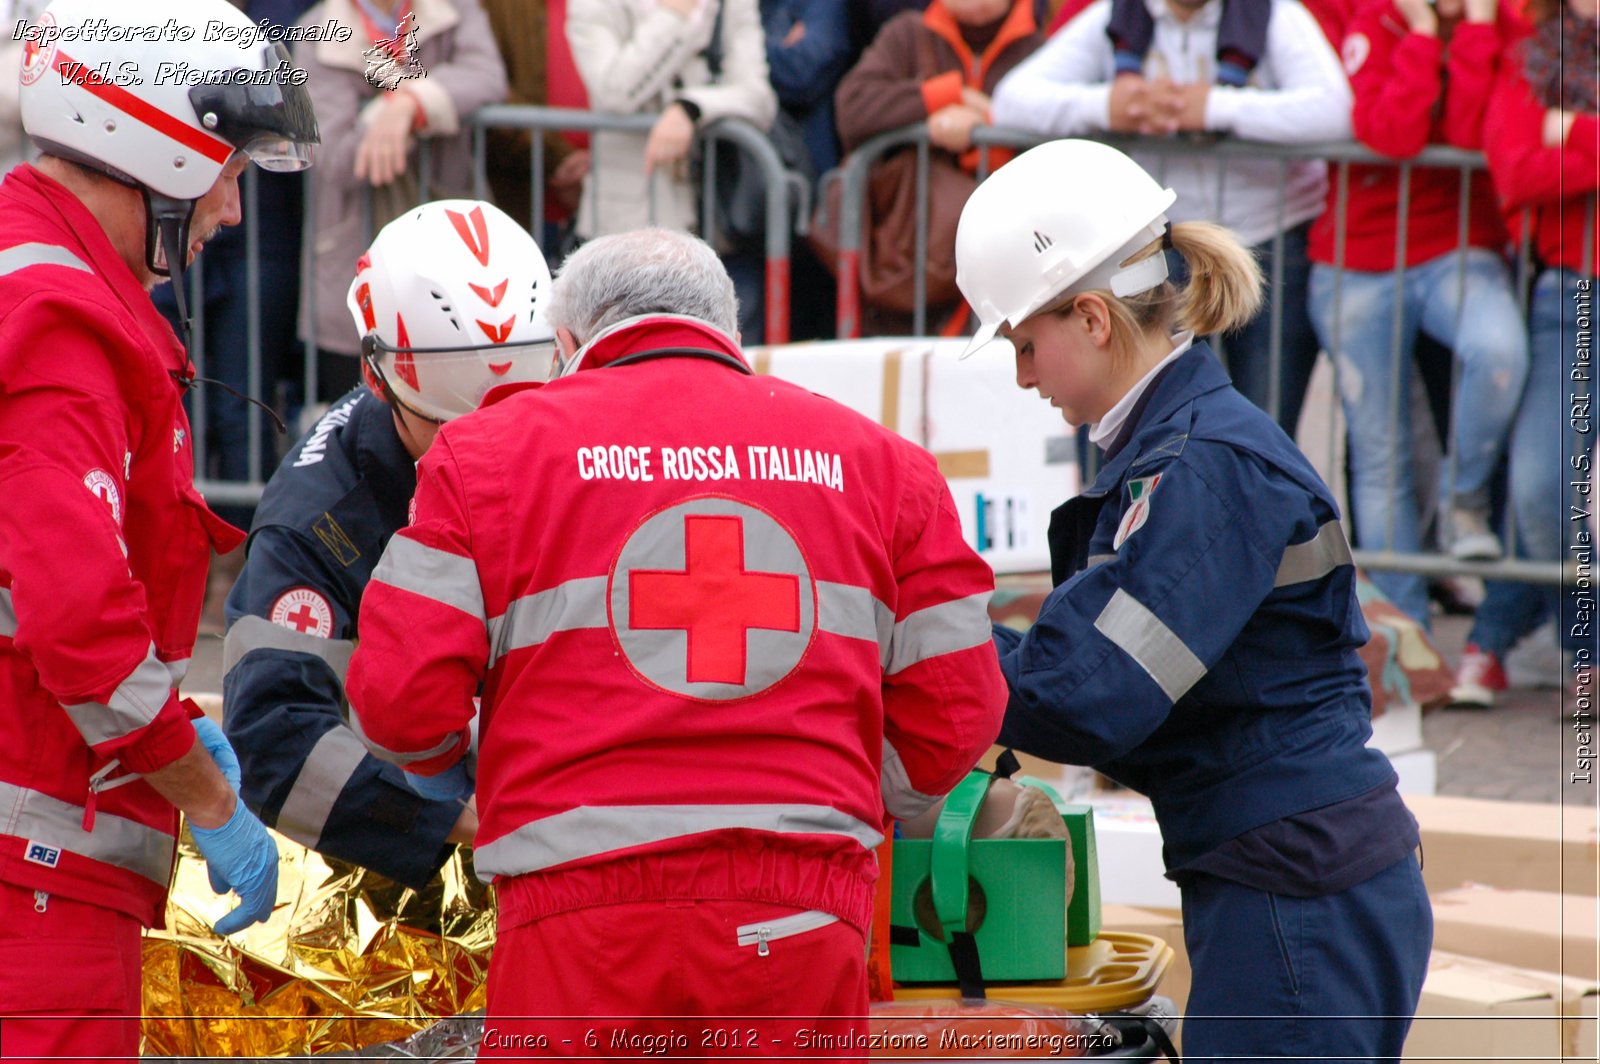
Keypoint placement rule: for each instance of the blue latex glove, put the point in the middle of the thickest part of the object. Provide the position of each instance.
(453, 784)
(210, 735)
(241, 856)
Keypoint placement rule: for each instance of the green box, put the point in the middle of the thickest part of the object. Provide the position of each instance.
(1018, 924)
(1083, 915)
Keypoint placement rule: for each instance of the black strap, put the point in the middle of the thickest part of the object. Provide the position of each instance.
(1138, 1030)
(969, 969)
(1007, 765)
(682, 352)
(713, 53)
(901, 935)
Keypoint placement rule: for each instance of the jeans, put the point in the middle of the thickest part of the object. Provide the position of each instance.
(1549, 460)
(1247, 352)
(1471, 308)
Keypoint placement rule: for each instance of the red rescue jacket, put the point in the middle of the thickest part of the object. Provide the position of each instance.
(104, 545)
(719, 623)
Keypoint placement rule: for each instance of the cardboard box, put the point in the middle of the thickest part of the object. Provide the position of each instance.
(1132, 871)
(1476, 1010)
(1514, 845)
(1008, 458)
(1521, 928)
(1166, 925)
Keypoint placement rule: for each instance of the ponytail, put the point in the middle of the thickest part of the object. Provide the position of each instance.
(1224, 289)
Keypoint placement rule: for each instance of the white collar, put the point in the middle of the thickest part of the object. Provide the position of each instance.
(1106, 429)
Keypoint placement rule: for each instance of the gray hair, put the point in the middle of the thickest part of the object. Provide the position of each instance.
(642, 271)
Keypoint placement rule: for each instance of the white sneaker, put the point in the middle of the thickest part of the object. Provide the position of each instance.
(1472, 540)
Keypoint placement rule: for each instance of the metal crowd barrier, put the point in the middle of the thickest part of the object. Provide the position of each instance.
(788, 211)
(855, 174)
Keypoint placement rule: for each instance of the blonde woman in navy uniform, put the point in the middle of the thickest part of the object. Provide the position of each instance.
(1201, 642)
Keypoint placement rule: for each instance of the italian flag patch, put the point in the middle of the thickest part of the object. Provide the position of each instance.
(1138, 511)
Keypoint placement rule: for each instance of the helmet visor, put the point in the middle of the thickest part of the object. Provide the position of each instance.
(263, 112)
(450, 381)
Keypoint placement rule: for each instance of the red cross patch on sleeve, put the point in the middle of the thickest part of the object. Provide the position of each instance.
(303, 610)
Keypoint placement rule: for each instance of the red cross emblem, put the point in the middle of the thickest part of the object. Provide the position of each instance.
(303, 610)
(712, 598)
(36, 57)
(715, 599)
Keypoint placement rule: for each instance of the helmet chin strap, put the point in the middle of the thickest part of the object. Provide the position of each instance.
(166, 250)
(166, 242)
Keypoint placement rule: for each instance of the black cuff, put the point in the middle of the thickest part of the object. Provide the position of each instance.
(690, 108)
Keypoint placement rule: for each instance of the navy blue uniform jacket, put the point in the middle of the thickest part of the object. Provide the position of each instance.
(1201, 643)
(323, 522)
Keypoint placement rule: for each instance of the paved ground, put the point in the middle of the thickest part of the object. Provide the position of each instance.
(1521, 750)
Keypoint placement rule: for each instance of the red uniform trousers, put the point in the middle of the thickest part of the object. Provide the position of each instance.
(668, 978)
(69, 979)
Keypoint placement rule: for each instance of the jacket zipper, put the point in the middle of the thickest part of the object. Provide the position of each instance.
(767, 931)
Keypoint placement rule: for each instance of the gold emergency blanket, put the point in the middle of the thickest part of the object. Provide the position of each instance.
(349, 959)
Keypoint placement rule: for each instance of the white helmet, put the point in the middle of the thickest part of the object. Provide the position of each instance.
(159, 95)
(1059, 218)
(450, 302)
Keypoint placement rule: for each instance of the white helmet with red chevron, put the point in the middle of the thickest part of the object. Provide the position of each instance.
(161, 93)
(450, 302)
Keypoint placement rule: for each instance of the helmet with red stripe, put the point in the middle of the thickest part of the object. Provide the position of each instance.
(450, 302)
(160, 95)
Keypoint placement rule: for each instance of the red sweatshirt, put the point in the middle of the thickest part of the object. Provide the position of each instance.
(1552, 188)
(1411, 91)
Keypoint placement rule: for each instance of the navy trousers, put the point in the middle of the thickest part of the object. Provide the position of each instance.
(1335, 978)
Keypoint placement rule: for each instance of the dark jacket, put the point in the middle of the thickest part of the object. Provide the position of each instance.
(1201, 645)
(323, 522)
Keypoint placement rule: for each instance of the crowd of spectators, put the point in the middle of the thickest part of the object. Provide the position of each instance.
(1405, 275)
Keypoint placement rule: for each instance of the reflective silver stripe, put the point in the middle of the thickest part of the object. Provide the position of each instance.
(177, 670)
(903, 801)
(1158, 650)
(395, 757)
(1156, 647)
(590, 830)
(8, 614)
(134, 703)
(432, 573)
(24, 255)
(35, 817)
(855, 613)
(316, 789)
(532, 619)
(944, 629)
(258, 633)
(1099, 559)
(1316, 557)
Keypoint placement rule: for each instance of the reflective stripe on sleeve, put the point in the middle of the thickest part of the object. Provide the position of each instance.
(258, 633)
(1099, 559)
(943, 629)
(590, 830)
(8, 615)
(132, 706)
(397, 757)
(22, 256)
(321, 780)
(177, 670)
(434, 574)
(855, 613)
(1316, 557)
(903, 801)
(39, 818)
(532, 619)
(1144, 638)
